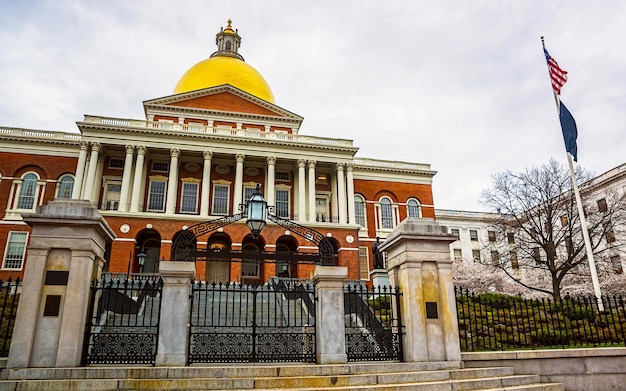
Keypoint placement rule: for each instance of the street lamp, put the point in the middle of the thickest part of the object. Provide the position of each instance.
(141, 257)
(256, 212)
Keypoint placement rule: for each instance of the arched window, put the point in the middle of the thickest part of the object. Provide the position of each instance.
(413, 208)
(386, 213)
(359, 210)
(228, 45)
(28, 191)
(65, 186)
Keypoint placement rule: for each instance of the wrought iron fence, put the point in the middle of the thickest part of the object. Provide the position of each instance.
(9, 298)
(123, 322)
(373, 324)
(498, 322)
(252, 323)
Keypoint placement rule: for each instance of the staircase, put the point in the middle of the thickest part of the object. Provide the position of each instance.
(433, 376)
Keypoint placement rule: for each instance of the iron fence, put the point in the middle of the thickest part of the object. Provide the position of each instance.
(9, 299)
(123, 322)
(498, 322)
(272, 322)
(373, 324)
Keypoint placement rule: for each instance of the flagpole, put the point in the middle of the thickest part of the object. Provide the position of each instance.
(581, 213)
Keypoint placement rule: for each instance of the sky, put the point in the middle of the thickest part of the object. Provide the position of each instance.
(460, 85)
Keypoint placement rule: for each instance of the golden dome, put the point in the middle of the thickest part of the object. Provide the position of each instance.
(220, 70)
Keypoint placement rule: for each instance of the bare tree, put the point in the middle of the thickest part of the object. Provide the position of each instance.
(536, 239)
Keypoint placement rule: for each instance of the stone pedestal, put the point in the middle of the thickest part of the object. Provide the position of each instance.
(330, 329)
(175, 308)
(379, 277)
(418, 261)
(65, 253)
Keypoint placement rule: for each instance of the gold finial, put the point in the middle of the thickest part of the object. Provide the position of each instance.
(229, 28)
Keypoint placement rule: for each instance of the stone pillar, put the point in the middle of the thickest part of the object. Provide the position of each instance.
(312, 214)
(418, 261)
(238, 195)
(128, 169)
(330, 329)
(301, 190)
(172, 182)
(91, 172)
(334, 199)
(175, 307)
(350, 185)
(206, 184)
(341, 193)
(66, 247)
(137, 181)
(80, 170)
(270, 194)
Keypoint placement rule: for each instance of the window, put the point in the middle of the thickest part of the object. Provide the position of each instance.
(495, 257)
(160, 166)
(220, 199)
(413, 208)
(476, 255)
(14, 253)
(111, 196)
(473, 235)
(513, 256)
(282, 203)
(321, 209)
(537, 254)
(510, 237)
(321, 179)
(28, 191)
(282, 176)
(457, 253)
(386, 213)
(491, 235)
(455, 232)
(247, 192)
(617, 264)
(65, 186)
(359, 210)
(250, 265)
(364, 263)
(609, 236)
(564, 221)
(156, 195)
(602, 206)
(189, 197)
(116, 163)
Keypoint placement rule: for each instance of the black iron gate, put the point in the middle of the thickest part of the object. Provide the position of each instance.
(252, 323)
(373, 324)
(123, 322)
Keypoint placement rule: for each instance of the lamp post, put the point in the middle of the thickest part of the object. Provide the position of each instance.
(256, 212)
(141, 257)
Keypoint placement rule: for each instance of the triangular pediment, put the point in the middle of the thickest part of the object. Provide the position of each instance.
(224, 98)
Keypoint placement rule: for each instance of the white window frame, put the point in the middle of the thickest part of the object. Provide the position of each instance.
(362, 209)
(186, 182)
(157, 169)
(409, 206)
(16, 189)
(153, 181)
(379, 213)
(287, 189)
(115, 167)
(24, 234)
(326, 212)
(60, 184)
(107, 202)
(220, 184)
(364, 263)
(248, 190)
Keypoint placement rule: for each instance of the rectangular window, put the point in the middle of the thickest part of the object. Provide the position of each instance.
(476, 255)
(457, 253)
(220, 199)
(156, 196)
(14, 253)
(111, 196)
(116, 163)
(602, 206)
(364, 263)
(564, 221)
(492, 236)
(282, 176)
(247, 192)
(473, 235)
(359, 211)
(160, 166)
(455, 232)
(610, 236)
(510, 237)
(513, 256)
(189, 199)
(495, 257)
(282, 203)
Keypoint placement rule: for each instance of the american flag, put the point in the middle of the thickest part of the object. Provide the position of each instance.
(557, 75)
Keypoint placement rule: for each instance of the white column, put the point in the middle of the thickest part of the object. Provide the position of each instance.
(97, 184)
(128, 163)
(350, 184)
(134, 202)
(301, 190)
(333, 197)
(239, 158)
(271, 170)
(80, 170)
(172, 182)
(311, 165)
(91, 172)
(206, 184)
(341, 193)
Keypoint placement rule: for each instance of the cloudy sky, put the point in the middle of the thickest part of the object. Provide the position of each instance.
(461, 85)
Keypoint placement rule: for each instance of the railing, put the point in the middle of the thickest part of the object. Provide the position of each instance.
(497, 322)
(9, 298)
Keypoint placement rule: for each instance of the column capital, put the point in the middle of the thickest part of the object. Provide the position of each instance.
(84, 145)
(208, 155)
(340, 166)
(141, 150)
(95, 146)
(175, 152)
(240, 157)
(130, 149)
(301, 163)
(311, 163)
(349, 167)
(271, 160)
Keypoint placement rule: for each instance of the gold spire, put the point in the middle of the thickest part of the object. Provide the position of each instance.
(229, 29)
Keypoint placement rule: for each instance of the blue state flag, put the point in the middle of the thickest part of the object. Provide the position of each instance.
(570, 132)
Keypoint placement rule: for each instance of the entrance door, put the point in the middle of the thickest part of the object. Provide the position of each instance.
(217, 271)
